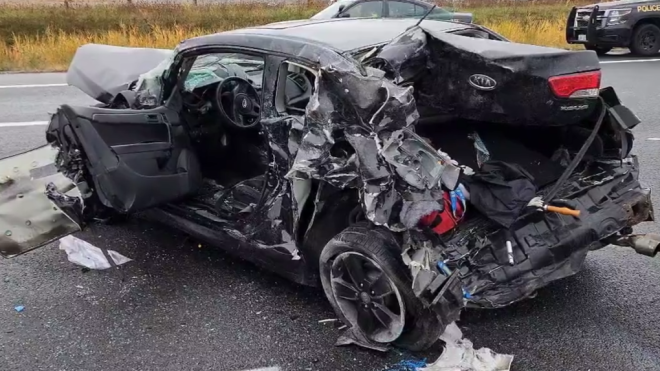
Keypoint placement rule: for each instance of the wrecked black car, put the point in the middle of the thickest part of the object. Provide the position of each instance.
(410, 168)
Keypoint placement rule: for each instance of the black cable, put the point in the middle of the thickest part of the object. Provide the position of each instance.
(578, 157)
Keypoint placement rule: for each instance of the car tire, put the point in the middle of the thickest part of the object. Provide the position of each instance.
(600, 50)
(645, 40)
(376, 247)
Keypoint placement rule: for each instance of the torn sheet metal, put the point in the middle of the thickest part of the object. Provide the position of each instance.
(387, 162)
(403, 58)
(89, 256)
(460, 355)
(102, 71)
(29, 216)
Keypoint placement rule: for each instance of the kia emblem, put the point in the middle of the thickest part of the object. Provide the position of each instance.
(482, 82)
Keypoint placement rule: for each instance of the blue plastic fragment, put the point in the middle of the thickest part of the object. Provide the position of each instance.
(408, 365)
(445, 269)
(19, 308)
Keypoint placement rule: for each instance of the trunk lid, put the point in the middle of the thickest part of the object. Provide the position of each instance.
(505, 82)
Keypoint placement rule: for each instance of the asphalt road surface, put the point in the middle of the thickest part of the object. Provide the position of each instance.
(186, 307)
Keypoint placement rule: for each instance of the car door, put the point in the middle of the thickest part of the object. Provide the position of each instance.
(134, 159)
(124, 159)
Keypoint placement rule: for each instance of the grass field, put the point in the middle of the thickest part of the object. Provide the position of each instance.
(44, 34)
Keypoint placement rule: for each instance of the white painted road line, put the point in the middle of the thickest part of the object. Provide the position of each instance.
(25, 123)
(631, 61)
(653, 139)
(266, 369)
(31, 86)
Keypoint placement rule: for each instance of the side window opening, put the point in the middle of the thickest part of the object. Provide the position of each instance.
(295, 87)
(400, 9)
(367, 9)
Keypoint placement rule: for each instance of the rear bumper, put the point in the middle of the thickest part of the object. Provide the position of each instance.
(546, 246)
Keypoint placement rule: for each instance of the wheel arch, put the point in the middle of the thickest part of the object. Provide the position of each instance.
(325, 214)
(654, 20)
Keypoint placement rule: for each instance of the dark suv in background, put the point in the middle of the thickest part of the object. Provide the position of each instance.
(616, 24)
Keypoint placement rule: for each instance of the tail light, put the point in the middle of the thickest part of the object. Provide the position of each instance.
(578, 85)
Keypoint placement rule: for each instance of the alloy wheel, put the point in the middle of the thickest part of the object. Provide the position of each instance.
(367, 297)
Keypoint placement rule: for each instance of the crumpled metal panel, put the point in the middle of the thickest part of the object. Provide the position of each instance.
(404, 57)
(28, 216)
(359, 134)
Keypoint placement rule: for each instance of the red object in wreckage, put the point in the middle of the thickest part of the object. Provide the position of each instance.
(444, 221)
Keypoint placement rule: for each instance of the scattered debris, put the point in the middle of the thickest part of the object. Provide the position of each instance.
(355, 336)
(482, 152)
(537, 202)
(19, 308)
(328, 320)
(459, 355)
(87, 255)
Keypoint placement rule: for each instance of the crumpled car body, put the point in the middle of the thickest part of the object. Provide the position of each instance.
(356, 142)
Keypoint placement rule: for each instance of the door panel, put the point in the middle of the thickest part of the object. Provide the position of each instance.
(37, 203)
(136, 159)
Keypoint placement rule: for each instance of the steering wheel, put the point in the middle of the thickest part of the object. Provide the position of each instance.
(238, 103)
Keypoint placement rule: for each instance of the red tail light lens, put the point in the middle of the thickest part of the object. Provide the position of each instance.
(579, 85)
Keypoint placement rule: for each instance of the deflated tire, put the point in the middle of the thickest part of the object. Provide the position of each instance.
(370, 288)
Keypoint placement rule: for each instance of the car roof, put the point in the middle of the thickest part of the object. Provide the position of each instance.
(341, 34)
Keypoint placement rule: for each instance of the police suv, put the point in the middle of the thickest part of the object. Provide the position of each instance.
(626, 24)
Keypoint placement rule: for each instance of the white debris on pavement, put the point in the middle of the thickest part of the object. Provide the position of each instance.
(459, 355)
(87, 255)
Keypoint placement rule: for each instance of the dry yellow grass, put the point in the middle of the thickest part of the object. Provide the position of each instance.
(53, 50)
(546, 33)
(29, 49)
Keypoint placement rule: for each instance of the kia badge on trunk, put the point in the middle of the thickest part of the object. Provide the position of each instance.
(482, 82)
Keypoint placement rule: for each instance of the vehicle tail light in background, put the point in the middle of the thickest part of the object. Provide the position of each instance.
(578, 85)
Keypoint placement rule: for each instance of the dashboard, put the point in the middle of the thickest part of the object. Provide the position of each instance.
(201, 103)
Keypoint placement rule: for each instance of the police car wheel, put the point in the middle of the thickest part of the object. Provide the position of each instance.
(645, 40)
(600, 50)
(370, 289)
